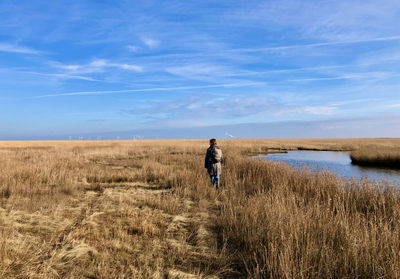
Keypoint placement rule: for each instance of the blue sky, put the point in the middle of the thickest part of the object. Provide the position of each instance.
(287, 68)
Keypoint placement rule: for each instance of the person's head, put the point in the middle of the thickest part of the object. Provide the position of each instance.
(213, 141)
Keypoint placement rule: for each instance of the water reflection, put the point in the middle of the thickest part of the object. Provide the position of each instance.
(336, 162)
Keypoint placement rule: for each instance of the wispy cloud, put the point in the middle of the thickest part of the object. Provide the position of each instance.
(150, 42)
(200, 110)
(5, 47)
(329, 20)
(61, 76)
(210, 72)
(367, 75)
(393, 106)
(219, 109)
(320, 110)
(132, 48)
(290, 70)
(226, 85)
(97, 65)
(334, 43)
(201, 71)
(206, 110)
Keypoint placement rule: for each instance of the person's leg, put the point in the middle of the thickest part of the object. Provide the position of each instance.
(217, 181)
(212, 178)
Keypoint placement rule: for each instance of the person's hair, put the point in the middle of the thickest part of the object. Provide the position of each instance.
(213, 141)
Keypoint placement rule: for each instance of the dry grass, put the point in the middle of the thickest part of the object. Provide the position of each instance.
(145, 209)
(378, 157)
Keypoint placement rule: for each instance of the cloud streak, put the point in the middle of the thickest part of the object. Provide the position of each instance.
(330, 19)
(62, 76)
(97, 65)
(5, 47)
(335, 43)
(159, 89)
(368, 75)
(204, 71)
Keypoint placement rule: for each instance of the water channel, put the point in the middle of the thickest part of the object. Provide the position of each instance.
(336, 162)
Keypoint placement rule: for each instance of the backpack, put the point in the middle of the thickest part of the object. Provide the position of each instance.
(217, 155)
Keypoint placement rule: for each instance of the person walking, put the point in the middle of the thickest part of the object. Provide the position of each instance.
(213, 162)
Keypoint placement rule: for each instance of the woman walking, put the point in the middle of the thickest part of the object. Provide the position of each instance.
(213, 162)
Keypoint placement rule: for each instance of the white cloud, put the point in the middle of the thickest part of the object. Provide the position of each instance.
(62, 76)
(351, 76)
(100, 63)
(212, 72)
(97, 65)
(4, 47)
(132, 48)
(320, 110)
(155, 89)
(331, 43)
(200, 71)
(151, 43)
(70, 67)
(129, 67)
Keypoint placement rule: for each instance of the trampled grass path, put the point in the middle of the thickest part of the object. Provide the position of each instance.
(119, 230)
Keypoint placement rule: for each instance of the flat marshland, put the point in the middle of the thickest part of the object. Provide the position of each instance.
(145, 209)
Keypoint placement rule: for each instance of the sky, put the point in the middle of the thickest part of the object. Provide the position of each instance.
(199, 69)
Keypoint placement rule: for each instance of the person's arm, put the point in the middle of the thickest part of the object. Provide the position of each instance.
(206, 159)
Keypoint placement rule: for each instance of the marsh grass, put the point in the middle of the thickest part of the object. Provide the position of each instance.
(388, 157)
(145, 209)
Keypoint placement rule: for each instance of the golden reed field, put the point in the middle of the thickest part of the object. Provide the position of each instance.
(145, 209)
(377, 156)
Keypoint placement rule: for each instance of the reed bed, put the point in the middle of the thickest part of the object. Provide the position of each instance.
(388, 157)
(110, 209)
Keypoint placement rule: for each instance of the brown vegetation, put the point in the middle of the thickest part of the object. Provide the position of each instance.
(388, 157)
(145, 209)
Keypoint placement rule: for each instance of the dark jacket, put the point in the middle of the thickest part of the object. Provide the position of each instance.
(212, 165)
